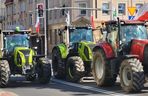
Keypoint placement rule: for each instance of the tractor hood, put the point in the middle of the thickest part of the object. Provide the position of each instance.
(23, 56)
(138, 47)
(85, 50)
(91, 45)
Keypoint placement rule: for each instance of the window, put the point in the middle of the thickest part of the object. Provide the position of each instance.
(55, 14)
(30, 19)
(14, 8)
(55, 33)
(82, 5)
(30, 1)
(22, 6)
(138, 6)
(50, 14)
(105, 8)
(121, 8)
(50, 36)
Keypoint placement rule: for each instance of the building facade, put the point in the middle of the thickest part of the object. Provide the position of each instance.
(110, 10)
(2, 17)
(23, 13)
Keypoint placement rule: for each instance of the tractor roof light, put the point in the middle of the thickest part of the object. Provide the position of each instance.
(17, 29)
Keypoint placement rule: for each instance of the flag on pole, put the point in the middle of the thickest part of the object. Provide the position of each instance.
(92, 21)
(142, 13)
(37, 25)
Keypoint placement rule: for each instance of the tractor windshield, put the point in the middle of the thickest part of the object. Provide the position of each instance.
(16, 40)
(81, 34)
(129, 32)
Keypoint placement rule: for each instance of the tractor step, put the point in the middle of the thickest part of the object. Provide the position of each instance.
(87, 79)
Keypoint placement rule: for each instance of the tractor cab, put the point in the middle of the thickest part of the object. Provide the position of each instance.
(120, 35)
(12, 39)
(78, 34)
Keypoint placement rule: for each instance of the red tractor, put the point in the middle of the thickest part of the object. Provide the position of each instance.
(123, 51)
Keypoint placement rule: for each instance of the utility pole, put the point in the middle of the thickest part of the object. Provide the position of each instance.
(45, 28)
(46, 13)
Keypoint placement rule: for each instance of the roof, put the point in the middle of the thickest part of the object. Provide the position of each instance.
(132, 22)
(7, 32)
(124, 22)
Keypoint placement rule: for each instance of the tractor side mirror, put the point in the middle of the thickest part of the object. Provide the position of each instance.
(35, 47)
(2, 49)
(103, 31)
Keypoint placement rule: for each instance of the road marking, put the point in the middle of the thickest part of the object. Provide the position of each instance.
(89, 88)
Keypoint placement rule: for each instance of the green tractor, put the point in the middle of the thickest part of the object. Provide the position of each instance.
(19, 58)
(73, 60)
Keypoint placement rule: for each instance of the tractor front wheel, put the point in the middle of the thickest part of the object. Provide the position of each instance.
(4, 73)
(74, 69)
(56, 62)
(131, 75)
(101, 69)
(44, 70)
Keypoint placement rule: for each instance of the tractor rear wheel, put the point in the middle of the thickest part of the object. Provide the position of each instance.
(56, 60)
(4, 73)
(132, 75)
(101, 70)
(74, 69)
(44, 71)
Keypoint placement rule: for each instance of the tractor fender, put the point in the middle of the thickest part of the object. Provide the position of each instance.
(130, 56)
(62, 49)
(139, 47)
(107, 48)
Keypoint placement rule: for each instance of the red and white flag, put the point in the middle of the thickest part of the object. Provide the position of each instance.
(92, 21)
(37, 25)
(142, 13)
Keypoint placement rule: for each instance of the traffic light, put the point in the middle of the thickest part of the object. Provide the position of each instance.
(40, 10)
(63, 10)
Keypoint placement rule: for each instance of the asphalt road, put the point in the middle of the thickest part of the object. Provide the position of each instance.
(19, 87)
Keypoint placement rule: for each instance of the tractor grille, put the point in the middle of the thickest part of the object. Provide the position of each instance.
(86, 52)
(26, 54)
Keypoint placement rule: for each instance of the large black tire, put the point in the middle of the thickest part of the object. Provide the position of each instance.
(4, 73)
(74, 69)
(102, 70)
(44, 70)
(131, 75)
(56, 61)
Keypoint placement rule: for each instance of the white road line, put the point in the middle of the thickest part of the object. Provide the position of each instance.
(111, 93)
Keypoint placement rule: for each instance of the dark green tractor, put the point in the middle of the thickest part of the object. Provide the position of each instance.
(72, 59)
(19, 58)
